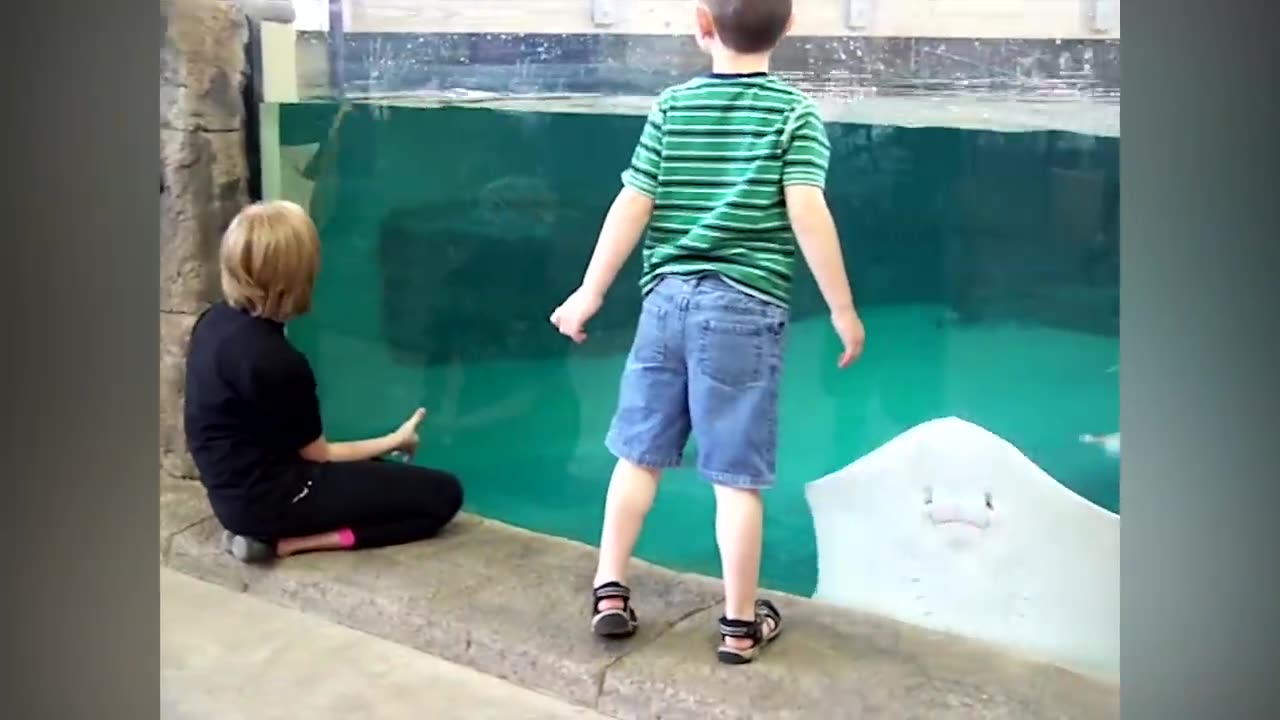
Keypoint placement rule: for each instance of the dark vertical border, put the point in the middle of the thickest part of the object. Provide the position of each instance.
(1200, 247)
(252, 94)
(79, 433)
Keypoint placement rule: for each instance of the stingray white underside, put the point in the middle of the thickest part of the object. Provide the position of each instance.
(950, 527)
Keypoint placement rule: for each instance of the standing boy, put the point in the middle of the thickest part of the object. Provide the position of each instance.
(728, 176)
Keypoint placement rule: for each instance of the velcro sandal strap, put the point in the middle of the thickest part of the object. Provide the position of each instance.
(608, 591)
(766, 609)
(612, 590)
(747, 629)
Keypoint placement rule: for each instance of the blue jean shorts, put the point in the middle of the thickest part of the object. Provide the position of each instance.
(706, 361)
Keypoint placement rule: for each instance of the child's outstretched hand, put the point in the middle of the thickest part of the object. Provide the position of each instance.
(572, 315)
(852, 335)
(406, 436)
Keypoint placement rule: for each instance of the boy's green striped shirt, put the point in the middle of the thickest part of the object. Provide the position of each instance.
(715, 155)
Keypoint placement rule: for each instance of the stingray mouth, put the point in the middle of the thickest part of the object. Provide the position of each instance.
(959, 522)
(976, 514)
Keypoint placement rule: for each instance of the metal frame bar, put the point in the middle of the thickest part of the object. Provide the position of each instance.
(1103, 16)
(337, 47)
(604, 12)
(859, 13)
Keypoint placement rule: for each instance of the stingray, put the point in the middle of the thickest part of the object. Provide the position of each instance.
(950, 527)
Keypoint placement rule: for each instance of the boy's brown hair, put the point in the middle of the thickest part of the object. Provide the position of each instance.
(270, 257)
(750, 26)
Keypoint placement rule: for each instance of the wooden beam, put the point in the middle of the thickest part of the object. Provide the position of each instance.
(899, 18)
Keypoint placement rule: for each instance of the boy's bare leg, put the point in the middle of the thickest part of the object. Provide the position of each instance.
(740, 534)
(631, 492)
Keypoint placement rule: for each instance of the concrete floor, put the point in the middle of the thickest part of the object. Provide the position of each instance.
(452, 596)
(230, 656)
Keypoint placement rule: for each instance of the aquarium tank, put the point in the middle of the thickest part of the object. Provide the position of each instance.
(458, 164)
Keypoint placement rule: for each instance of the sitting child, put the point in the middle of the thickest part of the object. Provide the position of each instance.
(252, 415)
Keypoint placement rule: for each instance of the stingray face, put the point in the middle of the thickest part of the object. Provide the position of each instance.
(959, 516)
(968, 507)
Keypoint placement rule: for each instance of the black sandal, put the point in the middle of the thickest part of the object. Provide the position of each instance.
(614, 622)
(753, 630)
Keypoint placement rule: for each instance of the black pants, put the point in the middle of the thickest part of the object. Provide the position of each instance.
(381, 503)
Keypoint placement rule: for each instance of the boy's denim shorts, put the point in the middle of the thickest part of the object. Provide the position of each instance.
(706, 361)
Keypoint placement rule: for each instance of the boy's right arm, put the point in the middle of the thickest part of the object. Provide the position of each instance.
(623, 227)
(632, 209)
(619, 236)
(621, 232)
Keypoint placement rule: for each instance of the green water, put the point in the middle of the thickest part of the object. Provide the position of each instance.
(985, 265)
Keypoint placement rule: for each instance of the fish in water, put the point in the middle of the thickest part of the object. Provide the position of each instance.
(950, 527)
(322, 172)
(1110, 443)
(518, 200)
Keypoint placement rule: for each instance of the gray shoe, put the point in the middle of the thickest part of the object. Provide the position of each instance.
(246, 549)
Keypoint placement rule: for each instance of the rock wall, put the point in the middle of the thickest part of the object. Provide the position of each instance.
(203, 183)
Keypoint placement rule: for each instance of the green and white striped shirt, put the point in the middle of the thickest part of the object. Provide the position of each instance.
(715, 155)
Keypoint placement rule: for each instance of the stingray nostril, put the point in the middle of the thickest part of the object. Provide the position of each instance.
(990, 505)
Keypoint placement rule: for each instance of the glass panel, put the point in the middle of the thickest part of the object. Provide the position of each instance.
(459, 181)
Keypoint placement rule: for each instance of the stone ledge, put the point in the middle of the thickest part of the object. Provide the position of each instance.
(182, 506)
(514, 604)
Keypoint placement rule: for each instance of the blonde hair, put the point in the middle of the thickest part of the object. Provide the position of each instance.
(270, 257)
